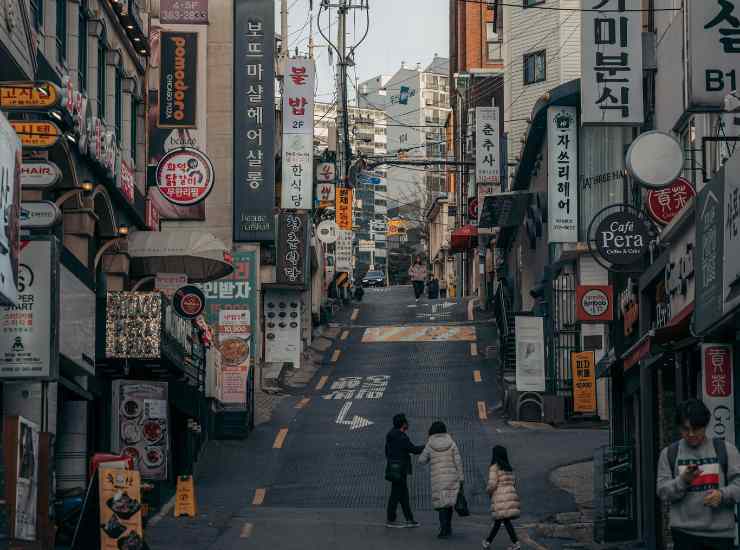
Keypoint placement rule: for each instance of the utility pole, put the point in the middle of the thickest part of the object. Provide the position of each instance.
(283, 36)
(342, 137)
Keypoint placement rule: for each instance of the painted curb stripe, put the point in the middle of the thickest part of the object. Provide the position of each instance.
(259, 497)
(302, 403)
(322, 382)
(476, 376)
(280, 438)
(482, 414)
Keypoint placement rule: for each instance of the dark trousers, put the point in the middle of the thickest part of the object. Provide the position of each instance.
(399, 494)
(418, 288)
(445, 520)
(509, 529)
(684, 541)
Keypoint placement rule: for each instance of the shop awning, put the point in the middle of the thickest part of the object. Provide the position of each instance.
(201, 256)
(679, 328)
(464, 238)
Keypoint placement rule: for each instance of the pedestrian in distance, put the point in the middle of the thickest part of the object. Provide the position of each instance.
(398, 451)
(700, 479)
(418, 274)
(505, 504)
(443, 456)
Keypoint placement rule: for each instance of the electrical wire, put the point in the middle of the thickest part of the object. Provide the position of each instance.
(553, 8)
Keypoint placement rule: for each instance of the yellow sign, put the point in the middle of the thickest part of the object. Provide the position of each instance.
(29, 95)
(35, 133)
(395, 228)
(344, 208)
(185, 497)
(120, 509)
(583, 365)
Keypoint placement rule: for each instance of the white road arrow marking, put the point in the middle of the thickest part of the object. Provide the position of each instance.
(356, 423)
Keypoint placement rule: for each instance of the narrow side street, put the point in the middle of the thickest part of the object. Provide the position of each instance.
(315, 471)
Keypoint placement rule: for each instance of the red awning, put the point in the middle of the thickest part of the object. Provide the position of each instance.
(464, 238)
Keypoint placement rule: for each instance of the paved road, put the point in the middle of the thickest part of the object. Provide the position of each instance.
(313, 476)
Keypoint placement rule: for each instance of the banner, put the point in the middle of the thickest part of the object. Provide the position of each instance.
(343, 251)
(254, 122)
(562, 192)
(583, 369)
(292, 250)
(530, 353)
(120, 508)
(343, 207)
(718, 390)
(10, 183)
(177, 79)
(487, 146)
(611, 62)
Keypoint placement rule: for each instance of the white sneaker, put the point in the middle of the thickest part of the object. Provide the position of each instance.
(485, 544)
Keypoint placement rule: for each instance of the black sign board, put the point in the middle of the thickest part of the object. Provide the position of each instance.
(254, 120)
(178, 103)
(622, 238)
(292, 250)
(189, 301)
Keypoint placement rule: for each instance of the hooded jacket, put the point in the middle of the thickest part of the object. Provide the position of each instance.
(504, 498)
(418, 272)
(442, 454)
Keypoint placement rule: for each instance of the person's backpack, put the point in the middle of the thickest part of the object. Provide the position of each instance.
(720, 450)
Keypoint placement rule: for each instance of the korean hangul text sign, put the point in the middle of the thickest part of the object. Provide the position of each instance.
(583, 367)
(292, 249)
(344, 208)
(562, 144)
(611, 83)
(298, 96)
(717, 389)
(487, 146)
(297, 189)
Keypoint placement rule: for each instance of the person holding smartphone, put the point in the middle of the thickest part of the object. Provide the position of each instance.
(700, 479)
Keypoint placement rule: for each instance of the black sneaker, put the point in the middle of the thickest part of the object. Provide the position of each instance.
(395, 524)
(443, 535)
(412, 523)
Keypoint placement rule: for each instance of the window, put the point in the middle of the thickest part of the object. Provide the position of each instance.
(530, 3)
(118, 114)
(61, 30)
(101, 77)
(134, 123)
(82, 50)
(535, 67)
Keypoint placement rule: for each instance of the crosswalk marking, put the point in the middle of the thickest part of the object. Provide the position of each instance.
(259, 496)
(425, 333)
(280, 438)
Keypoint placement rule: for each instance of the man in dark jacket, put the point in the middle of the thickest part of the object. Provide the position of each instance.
(398, 451)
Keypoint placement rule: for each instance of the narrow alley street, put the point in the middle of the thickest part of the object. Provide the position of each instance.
(312, 477)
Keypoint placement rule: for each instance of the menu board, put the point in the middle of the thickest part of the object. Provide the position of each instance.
(120, 509)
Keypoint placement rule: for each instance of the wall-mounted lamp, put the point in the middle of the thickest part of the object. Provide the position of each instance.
(109, 244)
(85, 187)
(123, 230)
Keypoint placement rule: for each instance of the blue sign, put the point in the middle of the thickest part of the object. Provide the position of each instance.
(367, 179)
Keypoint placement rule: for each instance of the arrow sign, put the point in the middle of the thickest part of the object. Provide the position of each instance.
(356, 423)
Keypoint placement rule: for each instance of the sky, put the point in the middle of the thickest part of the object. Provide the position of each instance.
(400, 30)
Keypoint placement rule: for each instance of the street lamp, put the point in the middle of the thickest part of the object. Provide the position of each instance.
(123, 235)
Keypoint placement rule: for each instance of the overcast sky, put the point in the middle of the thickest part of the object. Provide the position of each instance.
(408, 30)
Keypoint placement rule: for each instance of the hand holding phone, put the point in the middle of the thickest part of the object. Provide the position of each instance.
(691, 472)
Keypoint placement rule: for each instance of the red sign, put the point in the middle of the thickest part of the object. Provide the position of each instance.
(189, 301)
(126, 181)
(185, 176)
(594, 303)
(664, 204)
(473, 208)
(717, 363)
(152, 215)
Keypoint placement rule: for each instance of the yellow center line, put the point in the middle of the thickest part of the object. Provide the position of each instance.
(476, 376)
(473, 349)
(335, 355)
(259, 496)
(482, 414)
(246, 531)
(322, 382)
(280, 438)
(302, 403)
(355, 314)
(345, 335)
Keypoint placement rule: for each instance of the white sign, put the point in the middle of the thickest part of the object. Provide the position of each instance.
(718, 392)
(356, 422)
(326, 232)
(39, 174)
(77, 322)
(487, 146)
(326, 192)
(343, 251)
(713, 58)
(10, 196)
(26, 340)
(357, 387)
(326, 172)
(298, 97)
(168, 283)
(562, 145)
(731, 265)
(297, 190)
(39, 215)
(366, 246)
(530, 353)
(611, 62)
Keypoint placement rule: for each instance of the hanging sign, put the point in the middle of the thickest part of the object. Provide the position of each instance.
(718, 391)
(326, 194)
(29, 95)
(473, 209)
(298, 96)
(487, 146)
(189, 301)
(39, 174)
(120, 509)
(562, 144)
(39, 215)
(37, 135)
(185, 176)
(622, 238)
(664, 204)
(125, 180)
(343, 251)
(343, 207)
(152, 216)
(297, 187)
(292, 249)
(327, 232)
(326, 172)
(583, 367)
(595, 303)
(177, 79)
(611, 62)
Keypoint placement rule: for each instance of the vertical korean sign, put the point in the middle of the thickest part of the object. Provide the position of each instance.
(292, 249)
(583, 368)
(487, 146)
(709, 252)
(562, 192)
(343, 206)
(717, 388)
(254, 120)
(298, 104)
(611, 45)
(713, 57)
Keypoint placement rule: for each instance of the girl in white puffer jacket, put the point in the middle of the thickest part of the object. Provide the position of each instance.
(505, 504)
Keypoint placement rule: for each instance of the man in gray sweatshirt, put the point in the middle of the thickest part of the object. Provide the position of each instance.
(702, 485)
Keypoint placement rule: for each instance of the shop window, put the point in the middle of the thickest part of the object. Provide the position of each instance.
(535, 67)
(82, 50)
(61, 37)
